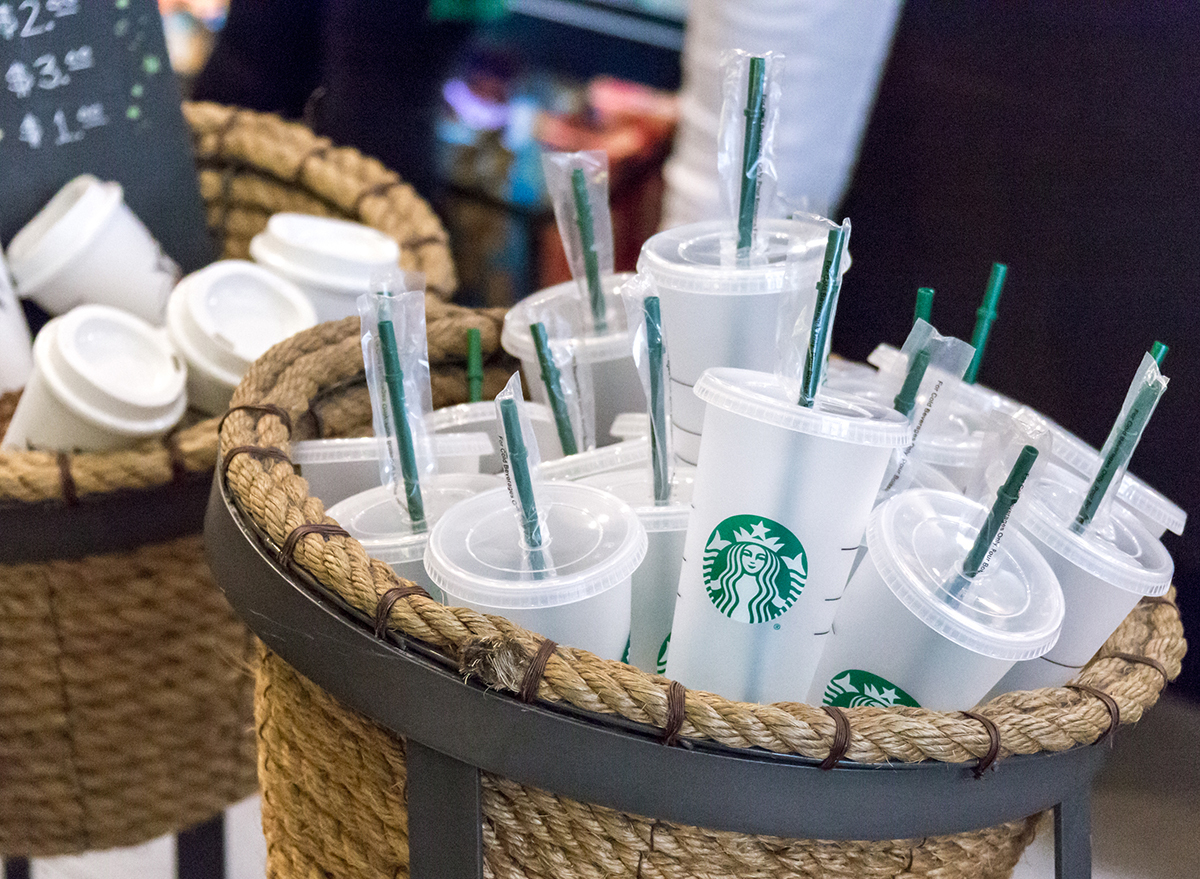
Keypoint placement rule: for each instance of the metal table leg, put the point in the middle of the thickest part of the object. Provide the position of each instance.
(445, 829)
(1073, 836)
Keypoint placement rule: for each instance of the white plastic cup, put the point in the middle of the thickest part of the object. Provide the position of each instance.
(481, 418)
(904, 636)
(102, 379)
(615, 381)
(224, 317)
(86, 246)
(718, 313)
(378, 520)
(780, 503)
(656, 581)
(1104, 573)
(338, 468)
(625, 455)
(16, 344)
(331, 260)
(578, 595)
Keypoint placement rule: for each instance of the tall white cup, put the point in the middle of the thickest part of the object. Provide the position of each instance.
(781, 499)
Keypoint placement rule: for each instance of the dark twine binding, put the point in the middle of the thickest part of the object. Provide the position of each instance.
(66, 480)
(265, 409)
(422, 241)
(1159, 599)
(260, 451)
(1142, 660)
(676, 712)
(383, 608)
(317, 152)
(987, 760)
(1114, 711)
(534, 671)
(841, 737)
(175, 456)
(377, 189)
(300, 532)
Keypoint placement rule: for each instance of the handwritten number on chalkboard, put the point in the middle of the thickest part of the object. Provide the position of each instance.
(31, 131)
(52, 76)
(79, 59)
(8, 21)
(31, 29)
(20, 80)
(62, 7)
(91, 115)
(65, 135)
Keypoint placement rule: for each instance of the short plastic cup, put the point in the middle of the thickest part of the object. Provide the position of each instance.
(331, 260)
(625, 455)
(1103, 572)
(86, 246)
(615, 380)
(338, 468)
(716, 312)
(481, 418)
(102, 379)
(577, 592)
(656, 581)
(780, 503)
(224, 317)
(380, 522)
(16, 344)
(905, 636)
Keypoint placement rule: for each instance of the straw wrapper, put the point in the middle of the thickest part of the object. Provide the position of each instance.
(640, 296)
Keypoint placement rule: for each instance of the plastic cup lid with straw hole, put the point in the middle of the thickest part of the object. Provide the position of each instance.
(618, 456)
(563, 300)
(636, 488)
(323, 251)
(366, 448)
(484, 412)
(1012, 611)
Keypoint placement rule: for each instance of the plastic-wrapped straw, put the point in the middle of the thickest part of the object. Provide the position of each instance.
(985, 315)
(640, 295)
(822, 330)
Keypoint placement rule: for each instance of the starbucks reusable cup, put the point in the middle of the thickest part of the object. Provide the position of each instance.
(624, 455)
(224, 317)
(379, 521)
(576, 590)
(481, 418)
(1104, 572)
(338, 468)
(781, 499)
(102, 379)
(331, 260)
(86, 246)
(16, 345)
(911, 631)
(656, 580)
(717, 311)
(615, 380)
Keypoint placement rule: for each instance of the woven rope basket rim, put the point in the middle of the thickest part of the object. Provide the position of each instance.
(1134, 666)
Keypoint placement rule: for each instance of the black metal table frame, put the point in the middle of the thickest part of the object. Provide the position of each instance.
(455, 729)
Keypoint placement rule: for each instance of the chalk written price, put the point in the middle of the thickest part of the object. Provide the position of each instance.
(35, 22)
(21, 80)
(88, 116)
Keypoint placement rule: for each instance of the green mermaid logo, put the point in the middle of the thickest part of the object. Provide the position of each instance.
(754, 569)
(854, 688)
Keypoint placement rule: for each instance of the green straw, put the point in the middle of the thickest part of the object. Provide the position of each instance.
(751, 151)
(658, 405)
(474, 365)
(1006, 497)
(984, 315)
(1159, 353)
(393, 376)
(518, 462)
(553, 381)
(827, 290)
(924, 309)
(907, 398)
(587, 240)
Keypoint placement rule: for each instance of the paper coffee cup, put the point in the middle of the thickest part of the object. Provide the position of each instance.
(102, 379)
(331, 260)
(577, 591)
(615, 381)
(86, 246)
(780, 503)
(719, 312)
(379, 520)
(481, 418)
(224, 317)
(16, 344)
(909, 631)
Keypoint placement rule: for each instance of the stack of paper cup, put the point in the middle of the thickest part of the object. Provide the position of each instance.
(380, 522)
(102, 379)
(86, 245)
(331, 260)
(16, 345)
(656, 581)
(615, 380)
(717, 311)
(1104, 572)
(576, 590)
(780, 503)
(223, 318)
(481, 418)
(912, 631)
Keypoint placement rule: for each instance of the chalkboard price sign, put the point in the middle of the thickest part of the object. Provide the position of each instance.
(88, 88)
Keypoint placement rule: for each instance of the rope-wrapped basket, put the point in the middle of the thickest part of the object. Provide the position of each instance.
(334, 782)
(126, 681)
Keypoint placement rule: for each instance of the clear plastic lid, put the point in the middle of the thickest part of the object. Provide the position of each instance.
(628, 425)
(564, 300)
(324, 251)
(366, 448)
(1118, 550)
(636, 488)
(699, 257)
(618, 456)
(760, 396)
(452, 418)
(595, 543)
(380, 522)
(918, 541)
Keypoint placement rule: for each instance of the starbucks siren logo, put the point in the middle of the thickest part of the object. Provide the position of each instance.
(661, 665)
(754, 568)
(855, 688)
